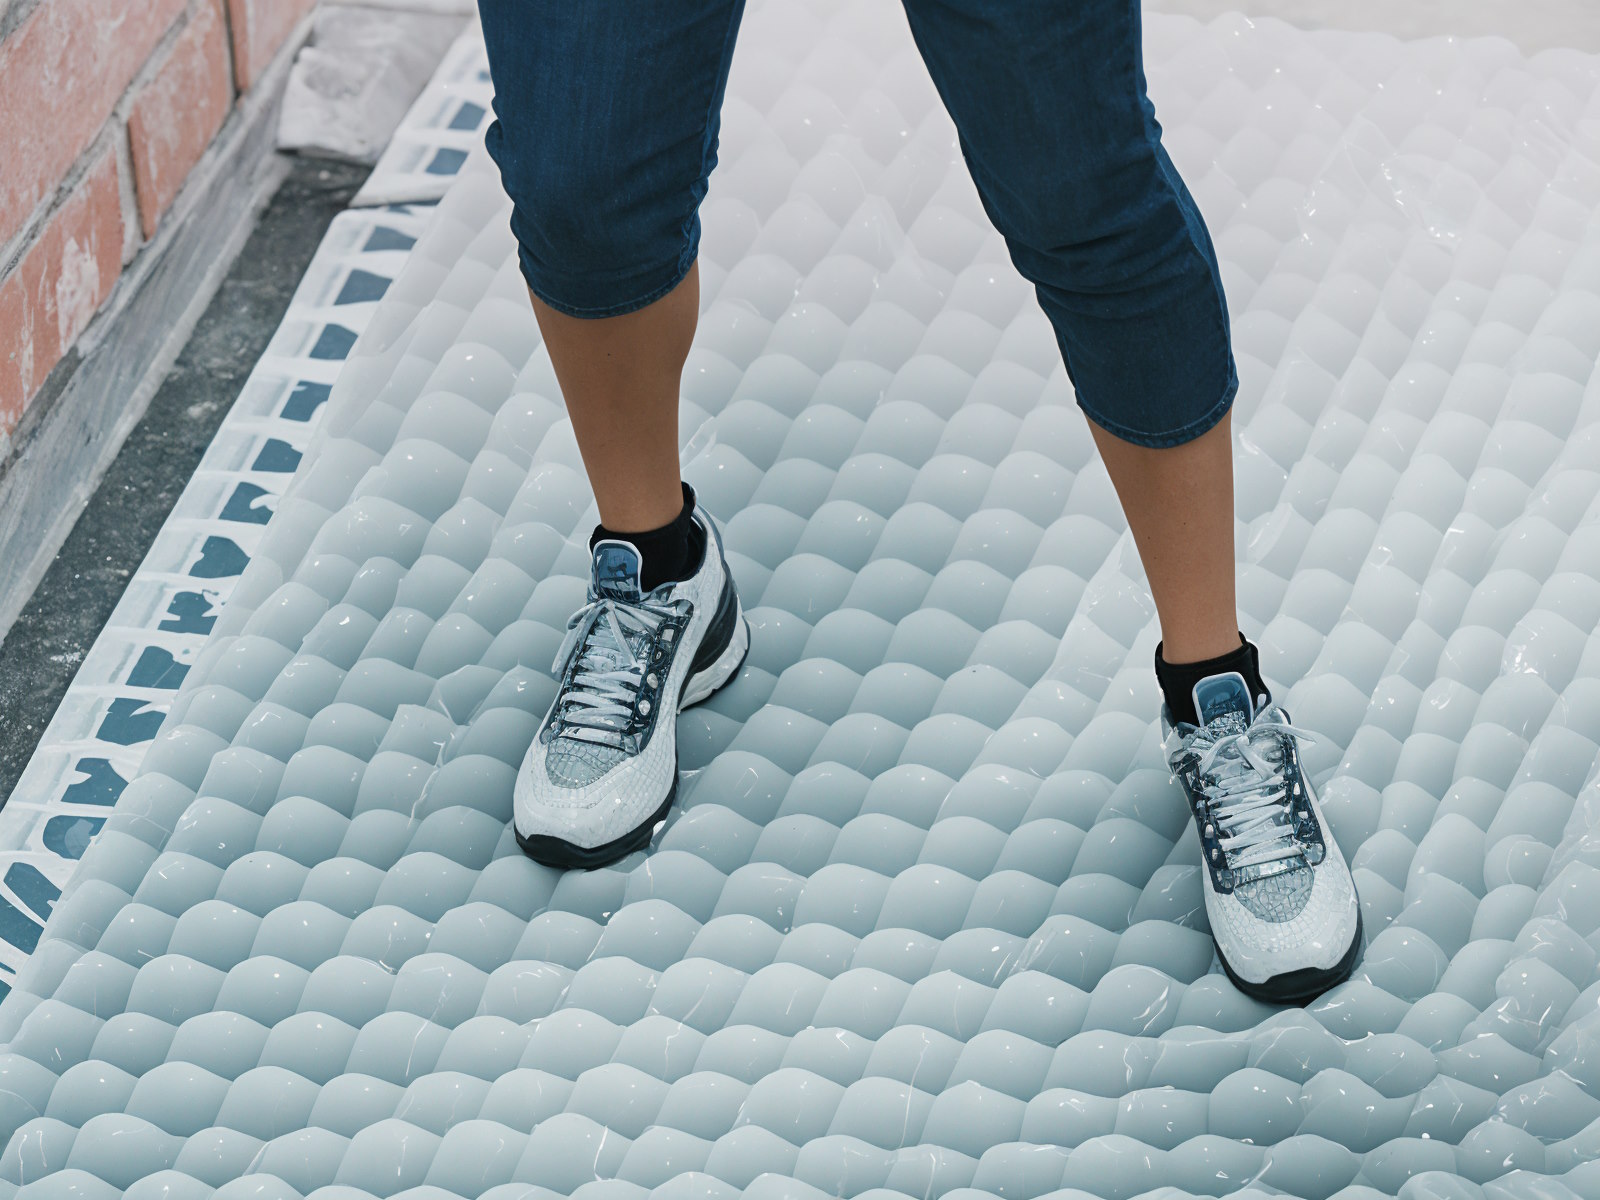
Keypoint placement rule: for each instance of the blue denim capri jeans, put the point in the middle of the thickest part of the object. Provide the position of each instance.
(606, 131)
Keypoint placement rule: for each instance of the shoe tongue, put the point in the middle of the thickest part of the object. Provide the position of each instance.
(617, 566)
(1226, 695)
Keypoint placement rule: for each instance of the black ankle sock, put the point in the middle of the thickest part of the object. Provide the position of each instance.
(1178, 679)
(668, 554)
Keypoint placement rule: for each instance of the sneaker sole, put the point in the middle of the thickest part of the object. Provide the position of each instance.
(1297, 987)
(552, 851)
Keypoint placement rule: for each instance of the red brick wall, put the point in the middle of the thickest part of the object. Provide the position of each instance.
(105, 108)
(259, 27)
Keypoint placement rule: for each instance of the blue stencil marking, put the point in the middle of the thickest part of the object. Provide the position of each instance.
(277, 455)
(384, 238)
(220, 558)
(468, 117)
(100, 783)
(128, 722)
(242, 506)
(446, 162)
(304, 401)
(21, 930)
(157, 668)
(360, 287)
(69, 835)
(32, 888)
(333, 342)
(192, 612)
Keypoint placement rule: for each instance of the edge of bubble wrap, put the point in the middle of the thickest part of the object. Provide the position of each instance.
(122, 690)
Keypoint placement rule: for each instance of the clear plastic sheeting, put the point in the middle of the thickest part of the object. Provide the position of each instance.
(122, 690)
(443, 126)
(928, 916)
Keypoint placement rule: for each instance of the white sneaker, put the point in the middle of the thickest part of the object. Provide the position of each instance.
(603, 769)
(1284, 912)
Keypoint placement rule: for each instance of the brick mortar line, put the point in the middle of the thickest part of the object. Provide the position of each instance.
(226, 9)
(12, 18)
(184, 204)
(13, 251)
(18, 578)
(115, 137)
(152, 72)
(181, 208)
(133, 239)
(16, 654)
(157, 58)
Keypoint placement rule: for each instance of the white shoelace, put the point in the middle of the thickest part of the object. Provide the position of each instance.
(598, 704)
(1250, 800)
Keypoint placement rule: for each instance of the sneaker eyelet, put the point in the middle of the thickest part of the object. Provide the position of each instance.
(644, 708)
(651, 680)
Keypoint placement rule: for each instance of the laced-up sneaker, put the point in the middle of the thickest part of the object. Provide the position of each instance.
(603, 769)
(1284, 912)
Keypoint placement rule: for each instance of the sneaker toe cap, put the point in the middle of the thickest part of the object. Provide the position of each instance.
(611, 806)
(1317, 938)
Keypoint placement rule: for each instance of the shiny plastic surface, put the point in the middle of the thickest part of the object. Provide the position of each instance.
(929, 915)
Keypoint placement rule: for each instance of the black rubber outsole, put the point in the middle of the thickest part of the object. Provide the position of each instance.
(556, 852)
(1297, 987)
(552, 851)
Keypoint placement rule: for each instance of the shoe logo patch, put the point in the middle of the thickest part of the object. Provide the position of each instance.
(1219, 695)
(616, 570)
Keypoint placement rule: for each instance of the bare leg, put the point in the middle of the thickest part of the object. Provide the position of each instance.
(1179, 504)
(620, 377)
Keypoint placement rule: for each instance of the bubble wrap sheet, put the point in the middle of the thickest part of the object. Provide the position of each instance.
(928, 916)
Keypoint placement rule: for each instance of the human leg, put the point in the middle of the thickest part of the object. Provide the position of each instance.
(1049, 101)
(607, 117)
(620, 376)
(1062, 141)
(606, 130)
(1179, 504)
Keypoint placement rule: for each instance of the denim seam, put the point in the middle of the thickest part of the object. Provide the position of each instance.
(1230, 387)
(685, 258)
(718, 83)
(608, 310)
(1218, 316)
(1177, 437)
